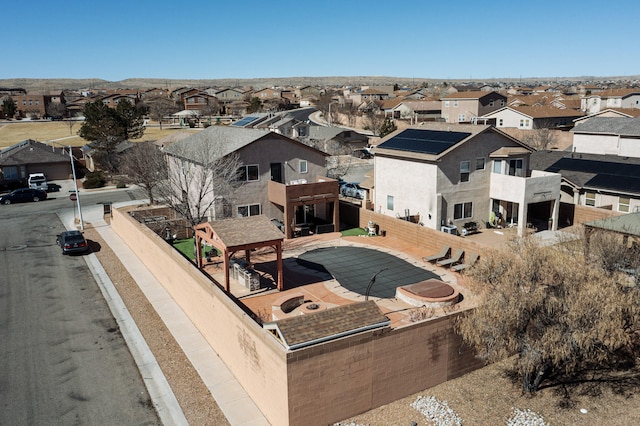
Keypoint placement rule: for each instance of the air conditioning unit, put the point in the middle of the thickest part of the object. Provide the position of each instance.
(453, 230)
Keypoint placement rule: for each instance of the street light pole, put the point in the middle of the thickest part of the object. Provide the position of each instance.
(75, 182)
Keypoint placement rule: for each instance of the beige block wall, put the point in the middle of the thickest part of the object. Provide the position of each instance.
(422, 237)
(253, 356)
(341, 378)
(584, 214)
(320, 384)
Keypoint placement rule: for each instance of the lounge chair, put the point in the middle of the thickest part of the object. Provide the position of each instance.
(442, 254)
(456, 257)
(473, 258)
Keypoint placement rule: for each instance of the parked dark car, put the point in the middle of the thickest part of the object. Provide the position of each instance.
(72, 242)
(22, 195)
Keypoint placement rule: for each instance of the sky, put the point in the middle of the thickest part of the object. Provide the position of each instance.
(212, 39)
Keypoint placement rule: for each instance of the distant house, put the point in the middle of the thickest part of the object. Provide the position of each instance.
(532, 117)
(331, 138)
(615, 98)
(448, 175)
(29, 156)
(608, 136)
(423, 110)
(466, 107)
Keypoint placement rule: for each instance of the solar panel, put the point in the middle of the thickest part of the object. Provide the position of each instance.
(243, 122)
(424, 141)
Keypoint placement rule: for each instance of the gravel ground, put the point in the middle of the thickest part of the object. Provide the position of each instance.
(193, 396)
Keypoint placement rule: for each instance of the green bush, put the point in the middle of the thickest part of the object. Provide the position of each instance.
(93, 180)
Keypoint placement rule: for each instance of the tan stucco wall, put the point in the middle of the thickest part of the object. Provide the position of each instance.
(320, 384)
(253, 356)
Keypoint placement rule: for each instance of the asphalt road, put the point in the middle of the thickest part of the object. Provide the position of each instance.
(62, 357)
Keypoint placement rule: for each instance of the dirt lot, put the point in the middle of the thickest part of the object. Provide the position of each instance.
(12, 132)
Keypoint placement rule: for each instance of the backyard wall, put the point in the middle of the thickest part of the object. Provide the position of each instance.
(316, 385)
(255, 358)
(421, 237)
(584, 214)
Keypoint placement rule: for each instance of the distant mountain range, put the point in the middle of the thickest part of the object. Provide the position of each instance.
(44, 84)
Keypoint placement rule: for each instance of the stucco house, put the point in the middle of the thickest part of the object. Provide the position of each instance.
(466, 107)
(608, 135)
(609, 182)
(283, 179)
(615, 98)
(532, 117)
(29, 156)
(447, 175)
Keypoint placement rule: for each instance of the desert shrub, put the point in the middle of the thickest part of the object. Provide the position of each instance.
(94, 180)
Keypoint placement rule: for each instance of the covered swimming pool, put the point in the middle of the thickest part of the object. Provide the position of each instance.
(354, 267)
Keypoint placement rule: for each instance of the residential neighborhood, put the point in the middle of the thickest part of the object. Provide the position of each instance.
(325, 243)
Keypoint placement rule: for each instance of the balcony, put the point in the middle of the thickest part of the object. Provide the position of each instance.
(539, 186)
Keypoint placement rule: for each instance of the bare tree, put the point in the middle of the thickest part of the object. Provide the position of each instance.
(160, 107)
(201, 182)
(373, 121)
(56, 109)
(540, 139)
(144, 164)
(560, 315)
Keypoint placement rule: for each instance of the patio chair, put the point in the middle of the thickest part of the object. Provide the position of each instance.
(473, 258)
(455, 258)
(442, 254)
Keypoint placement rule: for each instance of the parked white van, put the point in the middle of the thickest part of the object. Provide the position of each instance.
(37, 181)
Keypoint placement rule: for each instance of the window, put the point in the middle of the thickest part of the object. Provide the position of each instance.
(461, 118)
(389, 202)
(491, 103)
(465, 169)
(303, 166)
(24, 102)
(500, 122)
(455, 104)
(501, 102)
(480, 163)
(515, 167)
(521, 123)
(590, 199)
(463, 210)
(623, 204)
(497, 166)
(249, 210)
(446, 104)
(249, 173)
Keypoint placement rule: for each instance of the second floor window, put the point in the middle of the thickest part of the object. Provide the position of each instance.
(249, 210)
(303, 166)
(480, 163)
(465, 170)
(390, 202)
(249, 173)
(515, 167)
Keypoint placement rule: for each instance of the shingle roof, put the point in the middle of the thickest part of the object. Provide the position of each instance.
(222, 140)
(626, 224)
(592, 171)
(32, 152)
(546, 111)
(309, 329)
(471, 95)
(241, 231)
(622, 126)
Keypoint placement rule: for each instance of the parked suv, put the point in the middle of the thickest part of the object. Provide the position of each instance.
(37, 181)
(72, 242)
(23, 194)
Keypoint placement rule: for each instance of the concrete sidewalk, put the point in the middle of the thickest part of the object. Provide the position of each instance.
(235, 403)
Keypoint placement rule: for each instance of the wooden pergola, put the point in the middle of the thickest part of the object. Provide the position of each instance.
(244, 233)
